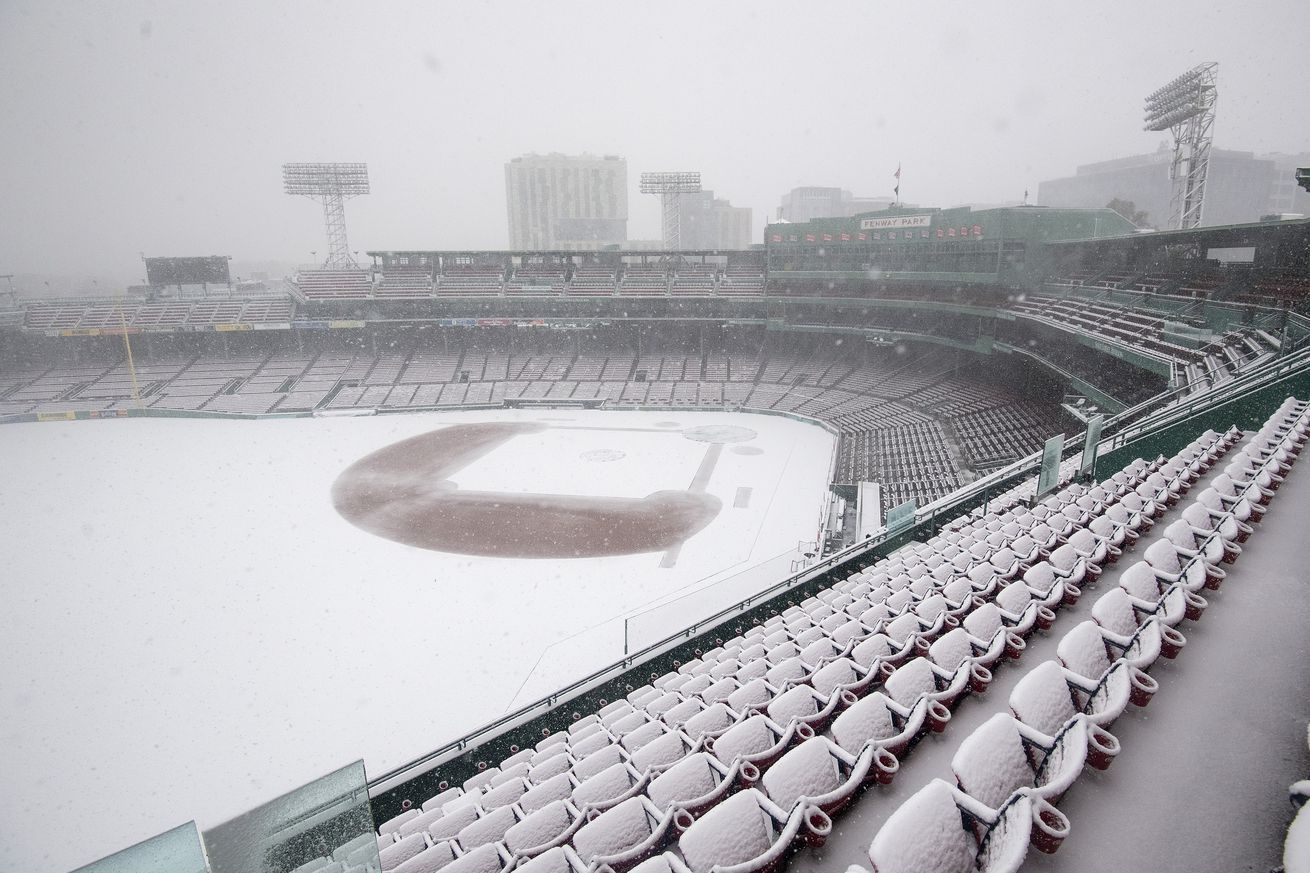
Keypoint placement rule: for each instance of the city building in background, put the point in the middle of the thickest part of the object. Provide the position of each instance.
(566, 202)
(1241, 186)
(808, 203)
(710, 222)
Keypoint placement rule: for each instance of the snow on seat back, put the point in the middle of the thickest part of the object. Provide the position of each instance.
(809, 637)
(713, 719)
(847, 631)
(902, 628)
(868, 720)
(659, 753)
(488, 829)
(596, 762)
(541, 827)
(799, 703)
(550, 768)
(752, 737)
(402, 850)
(930, 607)
(419, 823)
(959, 590)
(647, 733)
(555, 788)
(951, 649)
(1014, 597)
(692, 777)
(585, 746)
(878, 612)
(483, 859)
(430, 860)
(1082, 650)
(1114, 612)
(721, 690)
(625, 826)
(734, 832)
(678, 715)
(898, 601)
(755, 693)
(436, 801)
(1040, 577)
(808, 770)
(1139, 580)
(662, 704)
(912, 681)
(835, 674)
(867, 651)
(991, 763)
(926, 834)
(984, 622)
(392, 825)
(607, 785)
(1080, 541)
(1042, 698)
(453, 822)
(554, 860)
(790, 670)
(818, 651)
(1064, 559)
(1163, 555)
(504, 794)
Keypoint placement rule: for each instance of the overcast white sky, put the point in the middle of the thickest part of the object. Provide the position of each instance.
(161, 127)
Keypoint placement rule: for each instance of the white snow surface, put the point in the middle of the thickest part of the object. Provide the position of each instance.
(924, 836)
(731, 833)
(809, 770)
(990, 763)
(621, 828)
(190, 629)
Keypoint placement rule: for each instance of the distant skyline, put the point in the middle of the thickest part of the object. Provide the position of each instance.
(162, 126)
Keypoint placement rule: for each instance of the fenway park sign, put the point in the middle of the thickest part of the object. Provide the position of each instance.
(895, 223)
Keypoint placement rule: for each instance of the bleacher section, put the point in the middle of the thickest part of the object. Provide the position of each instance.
(753, 748)
(161, 315)
(892, 415)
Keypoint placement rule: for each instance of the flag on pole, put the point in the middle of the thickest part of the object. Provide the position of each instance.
(897, 174)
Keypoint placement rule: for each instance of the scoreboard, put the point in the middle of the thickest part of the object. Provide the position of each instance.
(210, 270)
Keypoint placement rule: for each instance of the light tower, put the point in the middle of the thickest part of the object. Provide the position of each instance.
(671, 187)
(1185, 108)
(330, 184)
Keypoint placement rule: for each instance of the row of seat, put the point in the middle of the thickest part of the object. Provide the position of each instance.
(1013, 769)
(653, 762)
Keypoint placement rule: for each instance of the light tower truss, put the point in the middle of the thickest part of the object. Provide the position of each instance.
(1185, 108)
(671, 187)
(329, 184)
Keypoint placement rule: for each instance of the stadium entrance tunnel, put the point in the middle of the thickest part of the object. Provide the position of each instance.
(402, 493)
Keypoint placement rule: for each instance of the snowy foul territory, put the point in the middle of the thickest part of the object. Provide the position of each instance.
(307, 592)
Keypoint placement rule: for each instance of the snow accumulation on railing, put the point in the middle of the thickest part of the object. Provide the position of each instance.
(1118, 430)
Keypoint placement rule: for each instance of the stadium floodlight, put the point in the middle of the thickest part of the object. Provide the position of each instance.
(671, 187)
(330, 184)
(1185, 108)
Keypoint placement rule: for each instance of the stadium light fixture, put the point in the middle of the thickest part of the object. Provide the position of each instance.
(1185, 108)
(670, 186)
(329, 184)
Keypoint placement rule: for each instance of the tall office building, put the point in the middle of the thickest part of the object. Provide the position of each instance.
(708, 222)
(574, 202)
(808, 203)
(1240, 186)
